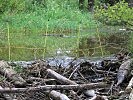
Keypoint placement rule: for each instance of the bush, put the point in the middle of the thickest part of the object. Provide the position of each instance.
(119, 14)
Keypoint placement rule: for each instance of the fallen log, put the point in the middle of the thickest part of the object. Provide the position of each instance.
(58, 96)
(8, 72)
(123, 71)
(54, 87)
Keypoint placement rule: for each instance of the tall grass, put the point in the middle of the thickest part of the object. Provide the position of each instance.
(56, 19)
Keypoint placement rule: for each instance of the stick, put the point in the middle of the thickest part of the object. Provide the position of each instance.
(101, 72)
(60, 78)
(76, 68)
(54, 87)
(40, 79)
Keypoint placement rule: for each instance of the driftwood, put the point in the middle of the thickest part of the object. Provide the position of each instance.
(123, 71)
(8, 72)
(54, 87)
(60, 78)
(57, 95)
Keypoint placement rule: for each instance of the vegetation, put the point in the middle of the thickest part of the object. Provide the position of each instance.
(119, 14)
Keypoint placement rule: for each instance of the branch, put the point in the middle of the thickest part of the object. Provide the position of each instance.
(54, 87)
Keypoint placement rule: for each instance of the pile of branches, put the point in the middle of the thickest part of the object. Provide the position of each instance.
(82, 79)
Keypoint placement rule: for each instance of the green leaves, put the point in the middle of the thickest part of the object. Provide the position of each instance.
(119, 14)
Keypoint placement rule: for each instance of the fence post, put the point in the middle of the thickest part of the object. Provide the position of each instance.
(99, 39)
(8, 37)
(78, 41)
(45, 44)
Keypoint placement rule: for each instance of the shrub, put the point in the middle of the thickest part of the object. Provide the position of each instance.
(119, 14)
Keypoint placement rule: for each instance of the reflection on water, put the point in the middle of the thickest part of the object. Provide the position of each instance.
(89, 45)
(110, 44)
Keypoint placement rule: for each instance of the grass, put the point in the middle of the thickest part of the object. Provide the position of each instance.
(26, 32)
(56, 19)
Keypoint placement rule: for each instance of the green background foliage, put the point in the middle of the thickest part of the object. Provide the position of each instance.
(119, 14)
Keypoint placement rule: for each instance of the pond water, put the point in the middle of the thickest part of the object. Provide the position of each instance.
(87, 43)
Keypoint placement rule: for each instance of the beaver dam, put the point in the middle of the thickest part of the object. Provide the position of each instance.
(68, 78)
